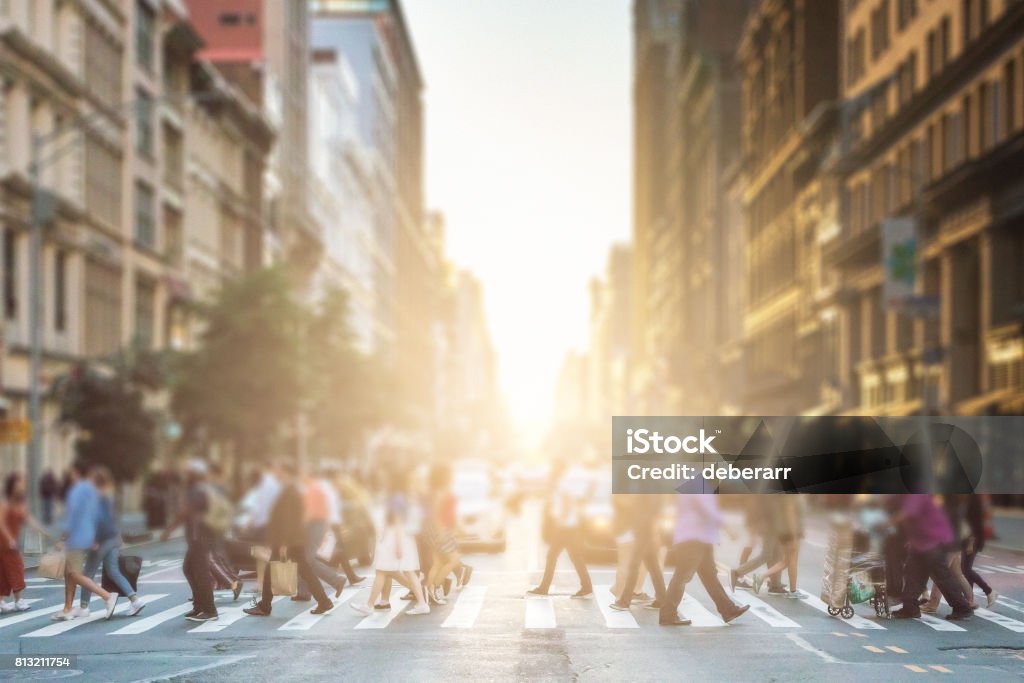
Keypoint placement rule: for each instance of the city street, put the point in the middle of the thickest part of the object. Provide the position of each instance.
(491, 627)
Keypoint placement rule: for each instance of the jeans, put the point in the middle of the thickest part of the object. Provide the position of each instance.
(694, 557)
(197, 573)
(568, 539)
(644, 550)
(315, 532)
(107, 554)
(972, 576)
(934, 563)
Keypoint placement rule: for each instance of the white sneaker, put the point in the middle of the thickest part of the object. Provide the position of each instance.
(991, 598)
(111, 604)
(135, 607)
(6, 607)
(419, 609)
(362, 609)
(80, 612)
(63, 616)
(22, 605)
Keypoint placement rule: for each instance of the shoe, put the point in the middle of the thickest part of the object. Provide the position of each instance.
(302, 598)
(135, 607)
(436, 596)
(236, 591)
(338, 586)
(654, 605)
(421, 608)
(958, 616)
(904, 613)
(738, 612)
(641, 598)
(363, 609)
(536, 591)
(582, 594)
(81, 612)
(6, 607)
(991, 598)
(744, 584)
(322, 609)
(619, 607)
(204, 616)
(777, 589)
(63, 616)
(795, 595)
(675, 622)
(758, 581)
(192, 613)
(382, 607)
(467, 574)
(111, 604)
(256, 611)
(22, 605)
(409, 596)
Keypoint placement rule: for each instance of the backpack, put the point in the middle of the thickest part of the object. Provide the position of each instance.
(219, 511)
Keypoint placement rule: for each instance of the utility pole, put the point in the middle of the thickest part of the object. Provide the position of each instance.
(37, 217)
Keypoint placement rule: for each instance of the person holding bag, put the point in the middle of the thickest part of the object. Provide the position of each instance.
(13, 514)
(285, 533)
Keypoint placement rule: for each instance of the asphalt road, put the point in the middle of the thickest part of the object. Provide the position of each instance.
(492, 632)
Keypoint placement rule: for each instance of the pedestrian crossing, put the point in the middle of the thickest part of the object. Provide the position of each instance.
(476, 607)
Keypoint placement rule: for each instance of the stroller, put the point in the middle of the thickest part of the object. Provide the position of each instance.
(854, 567)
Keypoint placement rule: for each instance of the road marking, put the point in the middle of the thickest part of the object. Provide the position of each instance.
(306, 620)
(916, 669)
(804, 645)
(765, 612)
(467, 608)
(64, 626)
(146, 623)
(940, 669)
(856, 622)
(996, 618)
(39, 579)
(938, 624)
(613, 618)
(221, 661)
(32, 614)
(225, 618)
(382, 619)
(897, 650)
(872, 648)
(837, 634)
(699, 614)
(540, 612)
(150, 575)
(1010, 570)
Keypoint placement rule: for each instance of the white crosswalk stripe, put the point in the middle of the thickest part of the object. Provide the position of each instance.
(612, 618)
(765, 612)
(938, 624)
(467, 608)
(700, 615)
(147, 623)
(64, 626)
(383, 619)
(225, 618)
(857, 622)
(540, 612)
(8, 621)
(305, 620)
(999, 619)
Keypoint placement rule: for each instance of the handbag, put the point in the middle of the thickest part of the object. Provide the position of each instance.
(284, 578)
(51, 565)
(129, 566)
(326, 550)
(261, 552)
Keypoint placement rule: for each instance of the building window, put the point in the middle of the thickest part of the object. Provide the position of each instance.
(145, 295)
(60, 290)
(102, 308)
(906, 10)
(145, 216)
(145, 34)
(102, 65)
(10, 274)
(975, 19)
(880, 29)
(1010, 96)
(173, 238)
(174, 158)
(102, 182)
(144, 124)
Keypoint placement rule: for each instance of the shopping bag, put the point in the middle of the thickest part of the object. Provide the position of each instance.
(51, 565)
(261, 566)
(130, 566)
(284, 578)
(861, 588)
(326, 550)
(261, 552)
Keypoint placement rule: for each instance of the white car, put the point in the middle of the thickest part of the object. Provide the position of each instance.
(479, 511)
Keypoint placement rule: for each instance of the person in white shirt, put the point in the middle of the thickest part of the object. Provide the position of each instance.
(568, 490)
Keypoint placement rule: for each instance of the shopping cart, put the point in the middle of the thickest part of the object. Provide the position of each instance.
(854, 569)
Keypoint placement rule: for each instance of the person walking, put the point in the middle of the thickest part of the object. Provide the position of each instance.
(562, 522)
(81, 520)
(788, 524)
(106, 550)
(286, 536)
(321, 515)
(337, 488)
(643, 516)
(928, 535)
(441, 515)
(698, 525)
(219, 514)
(975, 511)
(198, 542)
(952, 508)
(13, 515)
(760, 511)
(49, 491)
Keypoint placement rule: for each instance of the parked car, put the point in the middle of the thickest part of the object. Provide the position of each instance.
(480, 510)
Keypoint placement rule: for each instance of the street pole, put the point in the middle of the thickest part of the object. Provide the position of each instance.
(35, 321)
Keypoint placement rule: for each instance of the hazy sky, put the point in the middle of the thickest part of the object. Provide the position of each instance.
(528, 156)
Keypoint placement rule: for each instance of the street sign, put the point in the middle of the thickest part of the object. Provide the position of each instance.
(15, 430)
(899, 260)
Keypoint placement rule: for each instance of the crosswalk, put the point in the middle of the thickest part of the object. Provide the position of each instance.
(476, 607)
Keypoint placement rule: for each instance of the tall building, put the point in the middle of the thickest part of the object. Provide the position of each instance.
(608, 353)
(789, 59)
(934, 128)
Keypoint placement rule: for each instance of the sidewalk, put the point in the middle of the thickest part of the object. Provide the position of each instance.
(1009, 527)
